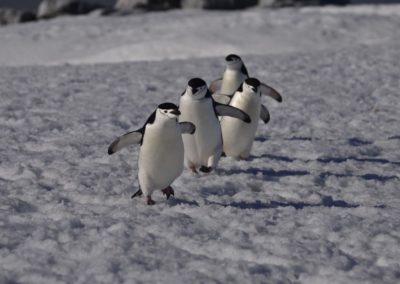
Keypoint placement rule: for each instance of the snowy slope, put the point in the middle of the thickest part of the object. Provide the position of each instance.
(317, 203)
(194, 34)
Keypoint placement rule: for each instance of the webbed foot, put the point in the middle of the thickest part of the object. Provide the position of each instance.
(150, 201)
(168, 191)
(205, 169)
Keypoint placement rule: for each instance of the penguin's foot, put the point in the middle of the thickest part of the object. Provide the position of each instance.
(244, 158)
(150, 201)
(168, 191)
(223, 154)
(205, 169)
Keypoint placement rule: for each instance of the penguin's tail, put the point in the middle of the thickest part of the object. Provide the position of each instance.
(137, 193)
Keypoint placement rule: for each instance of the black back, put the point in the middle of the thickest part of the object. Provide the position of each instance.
(244, 70)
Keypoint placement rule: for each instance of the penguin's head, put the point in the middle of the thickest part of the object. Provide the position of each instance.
(168, 111)
(233, 61)
(197, 89)
(251, 85)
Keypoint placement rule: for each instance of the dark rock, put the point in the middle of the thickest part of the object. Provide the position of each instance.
(218, 4)
(284, 3)
(53, 8)
(129, 6)
(12, 16)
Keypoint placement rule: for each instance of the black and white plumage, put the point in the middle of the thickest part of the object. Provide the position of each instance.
(204, 148)
(237, 136)
(161, 150)
(234, 75)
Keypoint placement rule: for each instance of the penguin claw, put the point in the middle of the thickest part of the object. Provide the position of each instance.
(150, 201)
(168, 192)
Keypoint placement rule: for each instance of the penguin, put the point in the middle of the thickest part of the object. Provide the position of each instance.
(237, 136)
(161, 154)
(234, 75)
(204, 148)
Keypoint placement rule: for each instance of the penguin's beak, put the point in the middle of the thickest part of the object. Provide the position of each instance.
(253, 89)
(176, 112)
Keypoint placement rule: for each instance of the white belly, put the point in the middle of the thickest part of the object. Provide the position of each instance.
(238, 136)
(231, 81)
(160, 157)
(207, 139)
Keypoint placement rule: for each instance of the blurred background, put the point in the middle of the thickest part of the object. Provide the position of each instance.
(12, 11)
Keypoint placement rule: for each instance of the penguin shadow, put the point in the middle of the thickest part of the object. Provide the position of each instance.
(300, 138)
(355, 142)
(268, 174)
(326, 201)
(321, 178)
(339, 160)
(174, 201)
(21, 206)
(272, 157)
(294, 138)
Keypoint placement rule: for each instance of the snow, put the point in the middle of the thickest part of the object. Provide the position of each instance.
(191, 34)
(318, 202)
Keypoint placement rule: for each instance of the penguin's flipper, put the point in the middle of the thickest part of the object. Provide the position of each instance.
(226, 110)
(271, 92)
(134, 137)
(222, 99)
(215, 85)
(187, 127)
(264, 114)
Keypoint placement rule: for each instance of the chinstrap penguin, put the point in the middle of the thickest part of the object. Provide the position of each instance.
(204, 148)
(237, 136)
(161, 154)
(234, 75)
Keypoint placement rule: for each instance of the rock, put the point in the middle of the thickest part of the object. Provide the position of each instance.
(129, 6)
(52, 8)
(12, 16)
(218, 4)
(284, 3)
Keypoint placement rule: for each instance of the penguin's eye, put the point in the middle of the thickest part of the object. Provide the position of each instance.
(165, 111)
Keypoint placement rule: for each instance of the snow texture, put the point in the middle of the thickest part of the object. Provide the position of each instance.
(318, 202)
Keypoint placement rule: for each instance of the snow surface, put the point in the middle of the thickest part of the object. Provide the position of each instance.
(317, 203)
